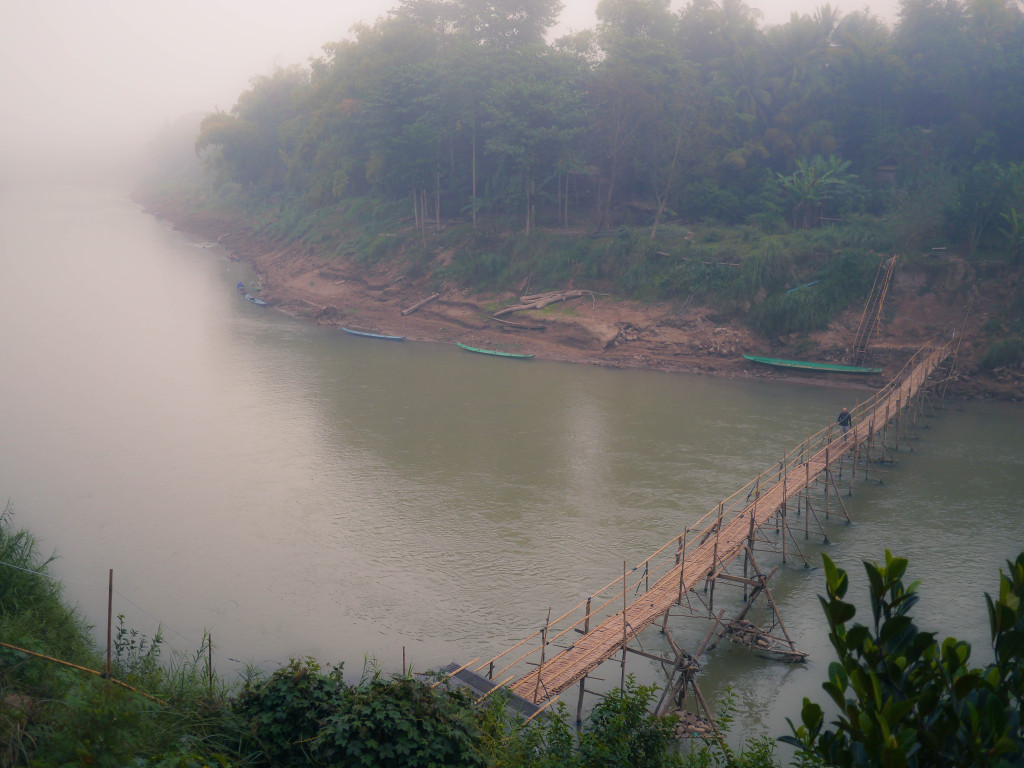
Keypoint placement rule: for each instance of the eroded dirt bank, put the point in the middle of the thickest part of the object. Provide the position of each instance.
(603, 330)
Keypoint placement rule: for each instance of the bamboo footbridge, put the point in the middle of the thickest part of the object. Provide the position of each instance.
(772, 509)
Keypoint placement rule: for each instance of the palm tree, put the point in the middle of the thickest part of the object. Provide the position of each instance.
(812, 185)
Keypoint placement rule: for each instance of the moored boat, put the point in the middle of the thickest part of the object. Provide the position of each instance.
(369, 335)
(806, 365)
(254, 300)
(494, 352)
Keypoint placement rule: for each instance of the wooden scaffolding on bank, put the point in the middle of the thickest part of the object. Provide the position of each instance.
(783, 504)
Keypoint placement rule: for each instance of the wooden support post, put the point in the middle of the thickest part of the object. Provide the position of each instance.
(543, 648)
(839, 498)
(622, 685)
(807, 500)
(775, 610)
(885, 429)
(749, 547)
(828, 475)
(714, 553)
(110, 618)
(899, 419)
(579, 703)
(853, 469)
(583, 681)
(798, 550)
(784, 497)
(867, 448)
(682, 564)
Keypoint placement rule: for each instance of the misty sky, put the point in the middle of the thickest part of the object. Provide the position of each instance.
(88, 75)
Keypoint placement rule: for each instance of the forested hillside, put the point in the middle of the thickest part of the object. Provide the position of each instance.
(731, 161)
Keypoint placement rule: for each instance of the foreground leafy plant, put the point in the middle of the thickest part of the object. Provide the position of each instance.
(904, 698)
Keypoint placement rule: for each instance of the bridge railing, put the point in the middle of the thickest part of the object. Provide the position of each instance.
(561, 632)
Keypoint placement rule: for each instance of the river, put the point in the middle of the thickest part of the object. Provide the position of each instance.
(296, 491)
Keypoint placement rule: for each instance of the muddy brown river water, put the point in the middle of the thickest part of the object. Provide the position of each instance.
(296, 491)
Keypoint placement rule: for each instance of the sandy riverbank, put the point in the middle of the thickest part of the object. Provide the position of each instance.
(596, 329)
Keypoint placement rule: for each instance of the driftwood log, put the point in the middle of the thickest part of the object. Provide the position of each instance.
(539, 301)
(419, 304)
(520, 326)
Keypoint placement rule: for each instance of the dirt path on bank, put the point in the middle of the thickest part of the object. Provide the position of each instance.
(601, 329)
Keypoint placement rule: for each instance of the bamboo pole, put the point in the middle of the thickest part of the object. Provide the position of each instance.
(583, 680)
(456, 671)
(682, 565)
(783, 510)
(543, 644)
(807, 499)
(492, 690)
(110, 615)
(419, 304)
(899, 419)
(55, 660)
(828, 474)
(622, 685)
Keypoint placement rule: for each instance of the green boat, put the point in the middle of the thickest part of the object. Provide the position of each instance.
(805, 365)
(494, 352)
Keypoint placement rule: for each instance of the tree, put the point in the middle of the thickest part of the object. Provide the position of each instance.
(984, 191)
(507, 24)
(251, 137)
(532, 125)
(812, 185)
(629, 89)
(904, 698)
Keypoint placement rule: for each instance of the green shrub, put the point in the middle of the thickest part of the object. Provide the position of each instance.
(621, 731)
(97, 723)
(282, 716)
(401, 723)
(906, 699)
(1000, 354)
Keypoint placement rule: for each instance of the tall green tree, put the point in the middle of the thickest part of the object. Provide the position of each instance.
(629, 87)
(809, 190)
(533, 125)
(246, 145)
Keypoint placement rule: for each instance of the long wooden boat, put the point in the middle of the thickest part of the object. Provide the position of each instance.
(369, 335)
(805, 365)
(494, 352)
(254, 300)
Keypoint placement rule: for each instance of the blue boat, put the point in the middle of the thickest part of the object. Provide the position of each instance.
(369, 335)
(254, 300)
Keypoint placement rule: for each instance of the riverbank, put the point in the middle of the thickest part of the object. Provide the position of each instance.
(599, 329)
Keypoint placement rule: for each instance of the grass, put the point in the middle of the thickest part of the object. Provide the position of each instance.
(55, 714)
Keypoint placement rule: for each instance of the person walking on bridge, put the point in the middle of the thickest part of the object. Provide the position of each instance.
(844, 421)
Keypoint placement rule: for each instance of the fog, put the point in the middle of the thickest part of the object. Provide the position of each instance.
(85, 80)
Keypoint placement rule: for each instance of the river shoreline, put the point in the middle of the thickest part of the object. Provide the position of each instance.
(593, 328)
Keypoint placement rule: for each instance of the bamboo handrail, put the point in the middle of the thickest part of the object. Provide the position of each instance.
(84, 669)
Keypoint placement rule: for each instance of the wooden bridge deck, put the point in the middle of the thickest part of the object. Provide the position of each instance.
(728, 530)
